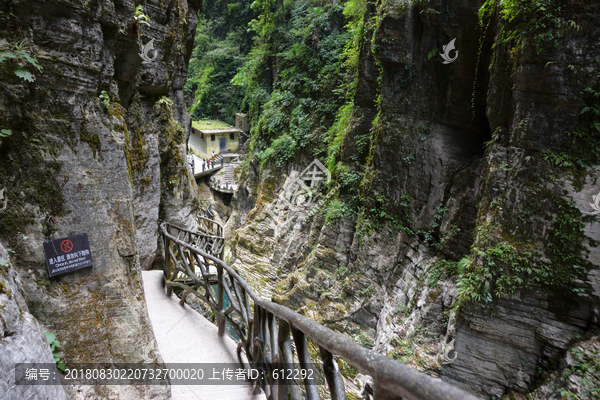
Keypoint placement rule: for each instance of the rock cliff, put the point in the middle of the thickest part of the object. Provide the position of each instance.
(475, 187)
(21, 338)
(98, 146)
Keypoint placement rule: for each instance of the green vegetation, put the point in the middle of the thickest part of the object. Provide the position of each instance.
(289, 71)
(165, 102)
(533, 22)
(444, 268)
(54, 346)
(499, 268)
(295, 72)
(221, 43)
(500, 265)
(584, 151)
(23, 59)
(580, 378)
(306, 97)
(346, 369)
(365, 340)
(374, 216)
(139, 17)
(281, 150)
(336, 209)
(210, 125)
(104, 98)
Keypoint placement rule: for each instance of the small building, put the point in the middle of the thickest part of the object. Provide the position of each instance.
(213, 136)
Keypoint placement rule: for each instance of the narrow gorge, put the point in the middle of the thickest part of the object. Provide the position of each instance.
(422, 177)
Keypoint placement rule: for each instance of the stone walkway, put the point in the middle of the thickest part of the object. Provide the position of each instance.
(185, 336)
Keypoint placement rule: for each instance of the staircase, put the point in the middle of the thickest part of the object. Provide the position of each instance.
(228, 170)
(224, 180)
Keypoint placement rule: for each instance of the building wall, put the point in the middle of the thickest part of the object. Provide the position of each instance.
(205, 147)
(232, 145)
(197, 143)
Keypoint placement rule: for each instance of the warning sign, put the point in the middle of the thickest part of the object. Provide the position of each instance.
(68, 254)
(66, 246)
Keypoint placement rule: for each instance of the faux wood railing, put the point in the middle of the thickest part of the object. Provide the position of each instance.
(193, 263)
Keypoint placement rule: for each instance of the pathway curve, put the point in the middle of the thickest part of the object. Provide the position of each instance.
(185, 336)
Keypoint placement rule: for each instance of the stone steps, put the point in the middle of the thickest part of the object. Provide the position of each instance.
(228, 173)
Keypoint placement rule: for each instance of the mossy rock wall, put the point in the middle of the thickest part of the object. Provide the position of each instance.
(74, 164)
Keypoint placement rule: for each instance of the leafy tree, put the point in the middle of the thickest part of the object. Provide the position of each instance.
(220, 46)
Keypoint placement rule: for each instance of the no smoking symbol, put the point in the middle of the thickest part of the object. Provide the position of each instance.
(66, 246)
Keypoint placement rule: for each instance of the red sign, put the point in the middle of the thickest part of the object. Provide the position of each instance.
(66, 246)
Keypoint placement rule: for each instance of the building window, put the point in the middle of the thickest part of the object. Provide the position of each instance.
(212, 138)
(232, 136)
(201, 135)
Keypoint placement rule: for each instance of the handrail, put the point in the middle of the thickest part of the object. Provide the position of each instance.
(205, 208)
(265, 333)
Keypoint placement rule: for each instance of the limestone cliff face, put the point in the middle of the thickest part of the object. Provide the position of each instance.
(464, 158)
(75, 164)
(537, 208)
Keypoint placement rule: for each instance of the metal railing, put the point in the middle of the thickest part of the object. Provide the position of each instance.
(264, 327)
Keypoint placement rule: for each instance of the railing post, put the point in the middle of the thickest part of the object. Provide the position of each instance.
(286, 391)
(266, 337)
(168, 267)
(268, 353)
(305, 362)
(255, 332)
(333, 376)
(220, 314)
(166, 257)
(272, 322)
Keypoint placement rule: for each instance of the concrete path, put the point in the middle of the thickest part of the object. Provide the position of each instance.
(185, 336)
